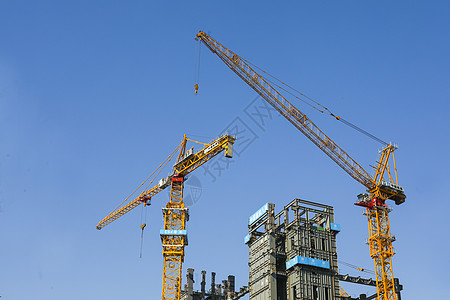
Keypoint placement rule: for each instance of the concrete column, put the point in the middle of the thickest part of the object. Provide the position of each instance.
(213, 285)
(203, 284)
(190, 284)
(225, 287)
(231, 283)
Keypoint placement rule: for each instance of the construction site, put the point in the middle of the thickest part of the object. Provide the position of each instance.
(251, 150)
(293, 253)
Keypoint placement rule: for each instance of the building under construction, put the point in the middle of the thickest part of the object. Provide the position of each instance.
(293, 254)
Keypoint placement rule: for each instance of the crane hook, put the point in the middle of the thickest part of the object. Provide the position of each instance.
(196, 88)
(142, 238)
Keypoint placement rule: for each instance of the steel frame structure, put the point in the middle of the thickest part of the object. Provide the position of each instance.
(301, 228)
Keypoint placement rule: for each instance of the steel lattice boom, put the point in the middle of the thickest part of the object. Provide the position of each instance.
(380, 240)
(142, 198)
(173, 236)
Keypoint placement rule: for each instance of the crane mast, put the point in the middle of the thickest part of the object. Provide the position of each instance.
(380, 240)
(176, 214)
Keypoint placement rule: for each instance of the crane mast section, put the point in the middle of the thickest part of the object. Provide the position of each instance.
(176, 215)
(288, 110)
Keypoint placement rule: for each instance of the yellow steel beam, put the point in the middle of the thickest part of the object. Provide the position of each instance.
(287, 109)
(183, 167)
(381, 251)
(343, 293)
(175, 216)
(129, 206)
(190, 163)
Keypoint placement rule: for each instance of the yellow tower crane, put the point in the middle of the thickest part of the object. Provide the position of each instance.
(382, 186)
(174, 234)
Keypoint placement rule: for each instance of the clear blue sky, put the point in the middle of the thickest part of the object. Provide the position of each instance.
(95, 94)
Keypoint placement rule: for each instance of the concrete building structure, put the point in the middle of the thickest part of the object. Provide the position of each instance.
(292, 254)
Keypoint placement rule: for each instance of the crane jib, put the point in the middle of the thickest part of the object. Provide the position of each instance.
(377, 212)
(289, 111)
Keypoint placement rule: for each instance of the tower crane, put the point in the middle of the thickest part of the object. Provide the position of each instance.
(176, 214)
(381, 187)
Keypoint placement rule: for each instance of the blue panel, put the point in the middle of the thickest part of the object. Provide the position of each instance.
(303, 260)
(289, 264)
(323, 264)
(292, 262)
(246, 238)
(307, 261)
(335, 227)
(258, 214)
(298, 260)
(319, 263)
(172, 232)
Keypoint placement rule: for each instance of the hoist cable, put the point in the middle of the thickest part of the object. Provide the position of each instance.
(363, 131)
(142, 242)
(195, 62)
(197, 66)
(163, 164)
(324, 110)
(287, 85)
(356, 267)
(200, 136)
(307, 103)
(198, 62)
(169, 158)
